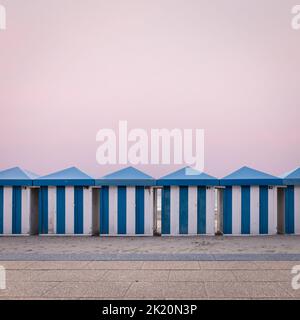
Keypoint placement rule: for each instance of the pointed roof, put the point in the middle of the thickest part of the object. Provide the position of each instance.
(126, 177)
(249, 176)
(67, 177)
(292, 177)
(187, 177)
(16, 177)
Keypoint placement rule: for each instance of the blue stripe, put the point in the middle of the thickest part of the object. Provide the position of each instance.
(183, 209)
(139, 210)
(263, 210)
(78, 210)
(227, 211)
(201, 210)
(289, 210)
(245, 221)
(165, 210)
(17, 211)
(43, 210)
(121, 210)
(104, 210)
(61, 210)
(1, 209)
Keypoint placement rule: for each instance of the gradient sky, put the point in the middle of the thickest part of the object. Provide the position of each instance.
(71, 67)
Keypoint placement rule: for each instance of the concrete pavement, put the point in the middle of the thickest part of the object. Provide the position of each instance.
(149, 280)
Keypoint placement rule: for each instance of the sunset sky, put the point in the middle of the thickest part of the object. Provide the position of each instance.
(71, 67)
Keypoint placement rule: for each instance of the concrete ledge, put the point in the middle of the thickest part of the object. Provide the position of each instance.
(147, 257)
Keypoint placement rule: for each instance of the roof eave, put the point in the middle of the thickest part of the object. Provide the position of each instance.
(251, 182)
(187, 182)
(125, 182)
(64, 182)
(16, 182)
(291, 182)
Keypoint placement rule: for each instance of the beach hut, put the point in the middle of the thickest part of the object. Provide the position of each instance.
(249, 202)
(18, 213)
(188, 202)
(65, 203)
(126, 203)
(290, 213)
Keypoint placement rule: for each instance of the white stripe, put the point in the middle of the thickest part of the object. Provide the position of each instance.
(87, 210)
(174, 210)
(192, 206)
(113, 210)
(210, 211)
(51, 210)
(130, 210)
(25, 213)
(7, 210)
(70, 210)
(272, 210)
(254, 210)
(236, 210)
(151, 211)
(148, 210)
(297, 209)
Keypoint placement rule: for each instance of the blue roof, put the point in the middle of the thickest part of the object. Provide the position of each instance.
(187, 177)
(249, 176)
(67, 177)
(16, 177)
(126, 177)
(292, 177)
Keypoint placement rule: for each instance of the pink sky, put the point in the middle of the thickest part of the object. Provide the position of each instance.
(71, 67)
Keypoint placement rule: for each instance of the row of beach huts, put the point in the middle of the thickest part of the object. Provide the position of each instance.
(69, 202)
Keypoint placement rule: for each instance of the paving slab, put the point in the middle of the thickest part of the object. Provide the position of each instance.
(227, 265)
(201, 275)
(280, 265)
(88, 290)
(137, 275)
(170, 265)
(55, 275)
(26, 289)
(295, 293)
(117, 265)
(262, 275)
(16, 265)
(245, 290)
(57, 265)
(163, 290)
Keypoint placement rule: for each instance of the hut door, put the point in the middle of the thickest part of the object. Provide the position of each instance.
(16, 210)
(157, 211)
(280, 211)
(43, 210)
(34, 200)
(78, 210)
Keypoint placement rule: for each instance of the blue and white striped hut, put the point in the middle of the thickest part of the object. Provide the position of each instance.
(65, 203)
(188, 202)
(292, 202)
(249, 202)
(15, 201)
(126, 203)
